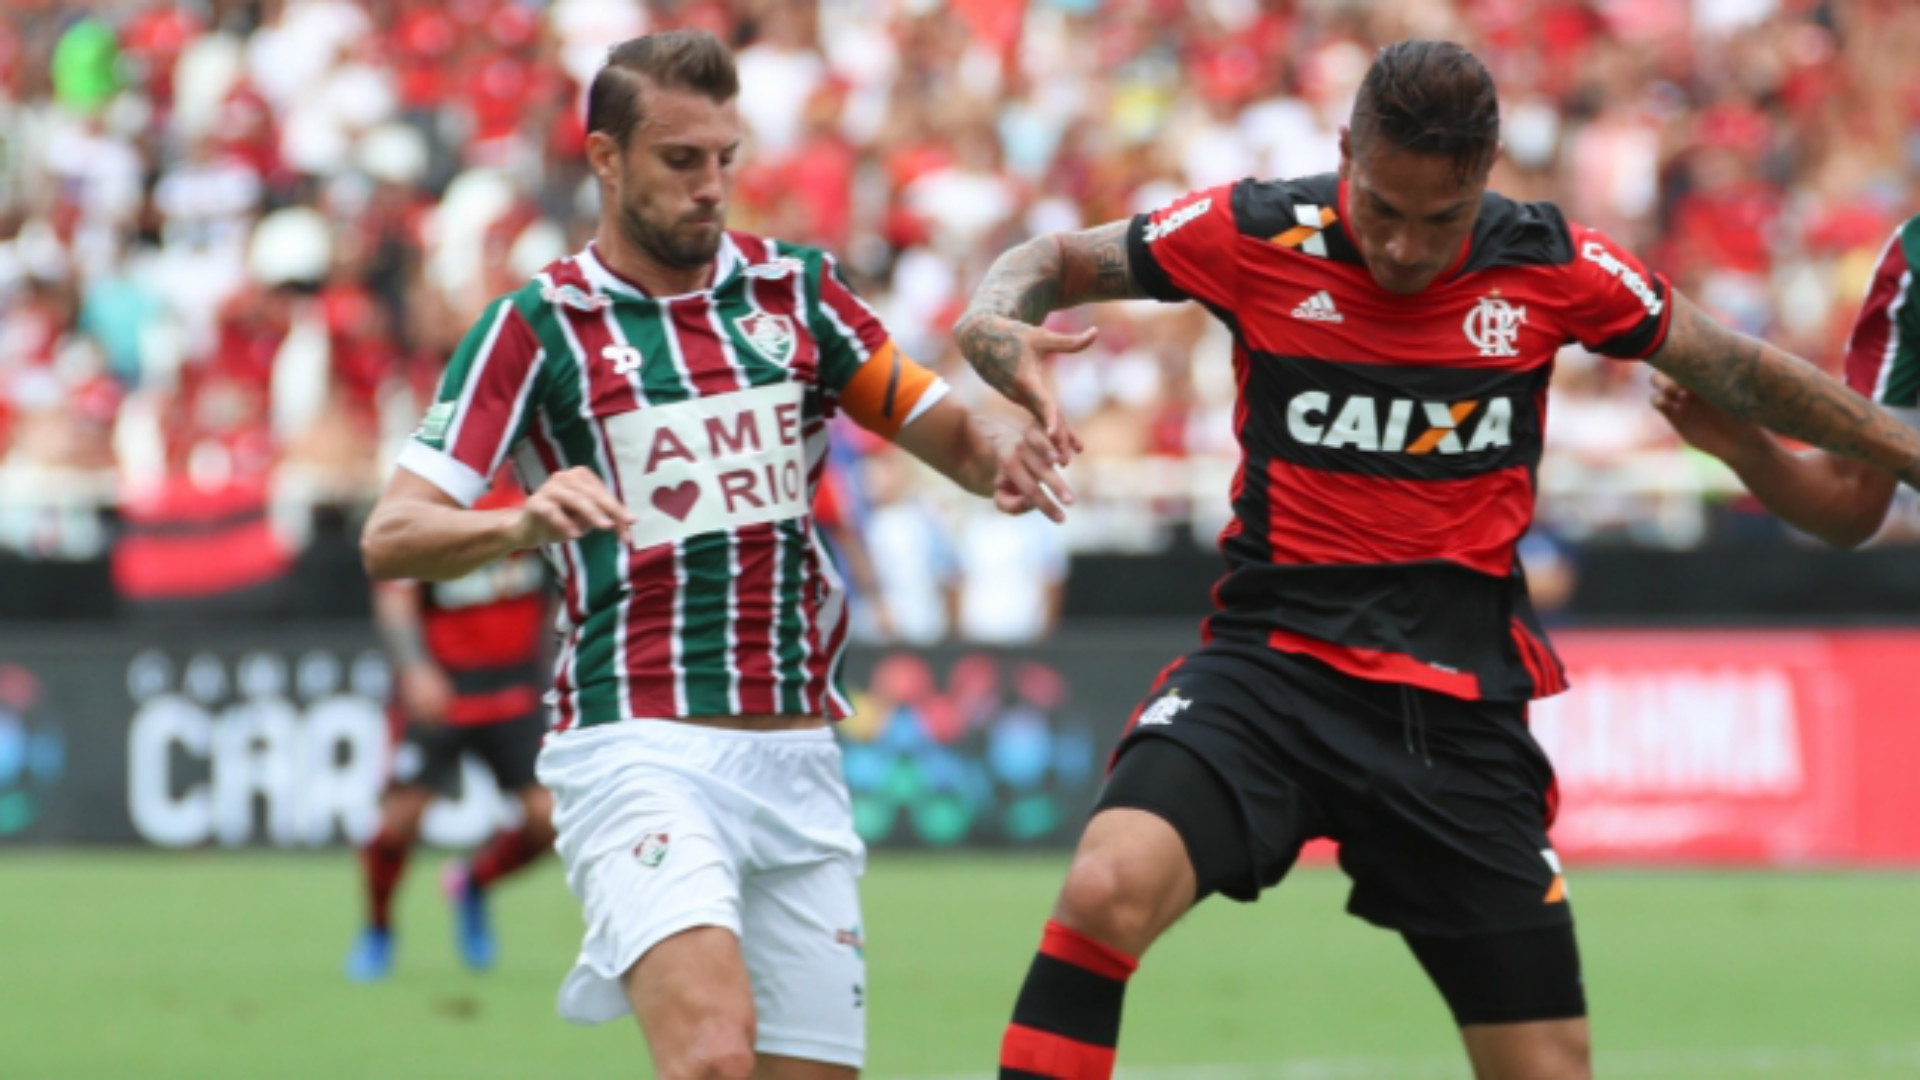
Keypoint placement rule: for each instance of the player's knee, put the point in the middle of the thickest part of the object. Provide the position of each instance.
(719, 1052)
(1105, 899)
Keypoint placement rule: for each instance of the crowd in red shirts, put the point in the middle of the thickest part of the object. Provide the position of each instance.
(237, 238)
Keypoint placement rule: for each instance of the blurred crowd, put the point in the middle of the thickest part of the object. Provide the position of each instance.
(238, 238)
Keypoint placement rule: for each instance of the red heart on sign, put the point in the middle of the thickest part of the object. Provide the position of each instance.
(677, 501)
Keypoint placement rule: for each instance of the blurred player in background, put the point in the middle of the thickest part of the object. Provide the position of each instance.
(1837, 498)
(665, 394)
(466, 657)
(1367, 671)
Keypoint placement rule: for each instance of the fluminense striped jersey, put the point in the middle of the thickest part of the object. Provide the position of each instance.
(706, 415)
(1883, 355)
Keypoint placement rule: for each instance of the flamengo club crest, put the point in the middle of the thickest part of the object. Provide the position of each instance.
(1493, 324)
(770, 335)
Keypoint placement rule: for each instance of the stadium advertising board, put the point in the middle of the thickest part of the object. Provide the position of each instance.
(1745, 747)
(189, 738)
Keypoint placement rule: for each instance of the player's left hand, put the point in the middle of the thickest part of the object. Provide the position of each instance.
(1029, 477)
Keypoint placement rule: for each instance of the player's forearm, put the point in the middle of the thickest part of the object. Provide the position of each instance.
(1024, 286)
(1816, 492)
(427, 542)
(1752, 379)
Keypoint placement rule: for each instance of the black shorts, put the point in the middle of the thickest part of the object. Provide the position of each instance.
(428, 755)
(1440, 806)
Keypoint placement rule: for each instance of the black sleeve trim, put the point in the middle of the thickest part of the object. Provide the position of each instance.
(1147, 271)
(1644, 339)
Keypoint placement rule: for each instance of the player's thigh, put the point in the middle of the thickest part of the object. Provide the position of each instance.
(691, 995)
(426, 756)
(509, 750)
(804, 941)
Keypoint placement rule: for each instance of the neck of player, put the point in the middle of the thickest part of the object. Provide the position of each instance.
(634, 265)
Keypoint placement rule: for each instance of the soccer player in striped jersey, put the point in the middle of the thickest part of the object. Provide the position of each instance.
(664, 396)
(1837, 498)
(1366, 673)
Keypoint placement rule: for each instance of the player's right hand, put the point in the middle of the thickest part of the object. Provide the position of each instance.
(571, 504)
(426, 693)
(1010, 355)
(1700, 422)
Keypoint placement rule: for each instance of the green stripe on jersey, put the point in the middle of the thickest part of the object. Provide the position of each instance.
(790, 624)
(1903, 380)
(704, 624)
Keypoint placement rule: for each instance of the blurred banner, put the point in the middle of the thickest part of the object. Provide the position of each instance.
(1739, 747)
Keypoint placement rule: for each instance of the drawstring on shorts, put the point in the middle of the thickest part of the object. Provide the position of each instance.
(1414, 723)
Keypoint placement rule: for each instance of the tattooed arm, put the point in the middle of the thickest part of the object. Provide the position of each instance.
(1000, 333)
(1755, 381)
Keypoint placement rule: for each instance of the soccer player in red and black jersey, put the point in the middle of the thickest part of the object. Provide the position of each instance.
(468, 659)
(1366, 673)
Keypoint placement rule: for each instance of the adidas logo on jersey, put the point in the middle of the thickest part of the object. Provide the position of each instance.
(1319, 308)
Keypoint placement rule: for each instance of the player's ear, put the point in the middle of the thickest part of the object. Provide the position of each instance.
(1346, 151)
(603, 155)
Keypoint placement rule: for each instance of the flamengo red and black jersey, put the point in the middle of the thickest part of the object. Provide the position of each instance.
(706, 415)
(485, 629)
(1389, 443)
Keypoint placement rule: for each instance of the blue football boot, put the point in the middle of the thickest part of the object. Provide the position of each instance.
(472, 933)
(371, 958)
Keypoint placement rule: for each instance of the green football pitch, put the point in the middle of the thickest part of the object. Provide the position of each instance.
(216, 965)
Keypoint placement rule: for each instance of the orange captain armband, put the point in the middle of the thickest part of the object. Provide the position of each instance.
(889, 390)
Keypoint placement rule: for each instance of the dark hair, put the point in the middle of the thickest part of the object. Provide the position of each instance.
(675, 60)
(1430, 97)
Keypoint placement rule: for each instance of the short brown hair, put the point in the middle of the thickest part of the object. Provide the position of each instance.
(1430, 97)
(675, 60)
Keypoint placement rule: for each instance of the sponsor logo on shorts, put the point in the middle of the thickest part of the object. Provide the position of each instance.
(852, 939)
(1556, 892)
(651, 851)
(1164, 710)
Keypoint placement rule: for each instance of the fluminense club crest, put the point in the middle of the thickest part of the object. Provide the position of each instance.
(770, 335)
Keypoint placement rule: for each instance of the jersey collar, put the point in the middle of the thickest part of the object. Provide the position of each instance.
(607, 280)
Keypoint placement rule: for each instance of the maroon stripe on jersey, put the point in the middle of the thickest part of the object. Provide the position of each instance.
(1867, 347)
(1317, 518)
(654, 577)
(824, 677)
(1379, 666)
(758, 549)
(701, 348)
(752, 247)
(500, 386)
(852, 313)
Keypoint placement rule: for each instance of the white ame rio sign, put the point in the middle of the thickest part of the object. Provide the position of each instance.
(712, 464)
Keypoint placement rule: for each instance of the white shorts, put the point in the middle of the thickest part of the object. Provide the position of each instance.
(665, 826)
